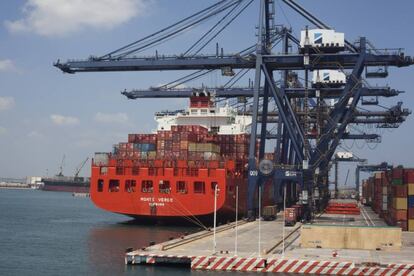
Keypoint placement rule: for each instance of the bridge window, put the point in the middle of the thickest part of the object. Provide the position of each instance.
(114, 185)
(147, 186)
(181, 187)
(199, 187)
(130, 185)
(103, 170)
(164, 187)
(100, 185)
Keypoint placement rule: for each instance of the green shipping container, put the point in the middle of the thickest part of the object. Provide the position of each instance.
(397, 181)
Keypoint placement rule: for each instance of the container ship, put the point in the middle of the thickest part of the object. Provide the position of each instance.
(173, 172)
(72, 184)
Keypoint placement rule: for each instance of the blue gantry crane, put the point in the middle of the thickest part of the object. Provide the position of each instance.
(307, 129)
(383, 167)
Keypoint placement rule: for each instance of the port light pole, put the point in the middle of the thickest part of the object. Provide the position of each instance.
(237, 217)
(215, 218)
(284, 221)
(260, 218)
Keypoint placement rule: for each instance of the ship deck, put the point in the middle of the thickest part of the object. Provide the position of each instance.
(196, 250)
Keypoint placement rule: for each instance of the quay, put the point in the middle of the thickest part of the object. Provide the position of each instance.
(15, 186)
(275, 254)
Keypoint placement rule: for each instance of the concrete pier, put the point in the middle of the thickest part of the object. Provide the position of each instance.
(272, 254)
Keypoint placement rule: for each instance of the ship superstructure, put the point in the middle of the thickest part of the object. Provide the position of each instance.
(203, 112)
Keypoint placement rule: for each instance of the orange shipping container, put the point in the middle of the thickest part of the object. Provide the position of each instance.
(400, 214)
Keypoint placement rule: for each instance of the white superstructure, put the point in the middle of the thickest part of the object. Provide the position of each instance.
(203, 112)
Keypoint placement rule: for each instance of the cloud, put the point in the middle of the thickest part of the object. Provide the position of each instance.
(62, 17)
(6, 103)
(3, 131)
(61, 120)
(114, 118)
(35, 134)
(6, 65)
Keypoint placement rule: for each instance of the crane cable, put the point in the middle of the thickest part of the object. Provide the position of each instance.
(174, 29)
(211, 29)
(223, 27)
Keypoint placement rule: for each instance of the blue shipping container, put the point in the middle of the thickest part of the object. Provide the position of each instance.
(411, 201)
(144, 147)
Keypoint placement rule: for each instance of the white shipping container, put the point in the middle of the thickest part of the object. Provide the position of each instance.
(384, 199)
(101, 158)
(344, 154)
(384, 207)
(322, 38)
(328, 76)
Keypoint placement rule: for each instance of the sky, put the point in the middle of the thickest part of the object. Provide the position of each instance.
(45, 114)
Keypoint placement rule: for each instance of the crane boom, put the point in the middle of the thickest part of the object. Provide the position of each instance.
(81, 166)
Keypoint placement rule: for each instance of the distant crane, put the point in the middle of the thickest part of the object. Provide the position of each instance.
(61, 166)
(344, 157)
(79, 168)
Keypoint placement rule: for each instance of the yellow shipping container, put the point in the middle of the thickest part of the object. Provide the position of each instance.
(204, 147)
(400, 203)
(192, 146)
(411, 225)
(411, 189)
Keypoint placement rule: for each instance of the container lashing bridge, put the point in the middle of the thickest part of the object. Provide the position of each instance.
(308, 130)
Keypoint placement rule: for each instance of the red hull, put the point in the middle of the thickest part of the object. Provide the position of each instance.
(185, 201)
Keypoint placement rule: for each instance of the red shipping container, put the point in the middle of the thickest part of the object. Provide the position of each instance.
(397, 173)
(409, 176)
(400, 190)
(411, 213)
(131, 138)
(290, 216)
(385, 179)
(400, 214)
(402, 224)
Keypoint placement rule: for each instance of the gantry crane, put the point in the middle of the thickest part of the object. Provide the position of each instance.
(344, 157)
(384, 166)
(300, 156)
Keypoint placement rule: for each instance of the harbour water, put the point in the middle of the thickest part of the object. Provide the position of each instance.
(52, 233)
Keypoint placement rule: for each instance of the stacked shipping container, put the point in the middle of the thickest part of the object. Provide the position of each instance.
(409, 179)
(391, 196)
(398, 199)
(190, 142)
